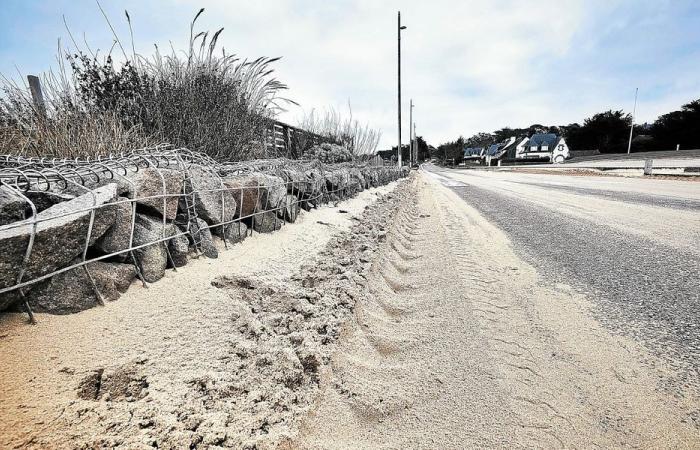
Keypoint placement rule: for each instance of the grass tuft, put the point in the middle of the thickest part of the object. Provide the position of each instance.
(204, 99)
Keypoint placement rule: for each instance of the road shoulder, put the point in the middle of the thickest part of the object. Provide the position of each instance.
(482, 350)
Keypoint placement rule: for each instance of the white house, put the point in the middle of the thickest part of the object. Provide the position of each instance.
(520, 148)
(561, 151)
(546, 147)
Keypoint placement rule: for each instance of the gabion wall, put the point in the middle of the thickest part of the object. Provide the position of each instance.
(75, 233)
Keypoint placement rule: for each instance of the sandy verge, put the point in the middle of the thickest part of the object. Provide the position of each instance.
(417, 326)
(197, 359)
(459, 343)
(600, 173)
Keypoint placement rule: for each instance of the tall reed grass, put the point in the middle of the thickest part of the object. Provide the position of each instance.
(203, 98)
(359, 139)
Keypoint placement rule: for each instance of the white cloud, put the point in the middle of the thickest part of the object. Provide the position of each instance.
(460, 59)
(470, 65)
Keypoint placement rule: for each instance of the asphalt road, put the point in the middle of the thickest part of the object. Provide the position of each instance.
(631, 245)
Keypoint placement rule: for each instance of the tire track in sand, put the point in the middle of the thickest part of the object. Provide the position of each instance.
(458, 343)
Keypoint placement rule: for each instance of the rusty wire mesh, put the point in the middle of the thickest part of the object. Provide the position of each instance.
(310, 182)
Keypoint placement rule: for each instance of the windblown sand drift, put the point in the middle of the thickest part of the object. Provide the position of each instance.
(238, 376)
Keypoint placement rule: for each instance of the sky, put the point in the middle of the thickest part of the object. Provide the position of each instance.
(470, 66)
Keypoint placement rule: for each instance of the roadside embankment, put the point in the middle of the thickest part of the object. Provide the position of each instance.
(226, 352)
(76, 234)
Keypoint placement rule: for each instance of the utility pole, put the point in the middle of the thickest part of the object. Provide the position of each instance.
(399, 76)
(634, 112)
(410, 133)
(415, 145)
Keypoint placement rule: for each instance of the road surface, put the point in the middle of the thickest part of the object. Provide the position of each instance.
(456, 309)
(524, 311)
(632, 244)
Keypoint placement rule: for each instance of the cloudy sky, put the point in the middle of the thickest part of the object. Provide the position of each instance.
(470, 66)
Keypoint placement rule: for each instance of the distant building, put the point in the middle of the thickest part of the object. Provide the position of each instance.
(387, 155)
(494, 149)
(501, 151)
(508, 149)
(473, 152)
(492, 152)
(520, 146)
(545, 147)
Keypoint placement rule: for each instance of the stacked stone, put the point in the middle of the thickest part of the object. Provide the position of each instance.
(330, 153)
(138, 223)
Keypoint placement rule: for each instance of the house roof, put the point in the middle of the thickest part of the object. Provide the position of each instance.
(511, 143)
(493, 149)
(540, 139)
(472, 151)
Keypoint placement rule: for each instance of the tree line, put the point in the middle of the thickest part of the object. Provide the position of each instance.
(607, 132)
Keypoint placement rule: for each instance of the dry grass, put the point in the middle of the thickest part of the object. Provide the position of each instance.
(203, 98)
(344, 130)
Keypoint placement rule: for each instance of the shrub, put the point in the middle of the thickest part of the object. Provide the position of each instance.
(65, 127)
(358, 139)
(330, 153)
(213, 102)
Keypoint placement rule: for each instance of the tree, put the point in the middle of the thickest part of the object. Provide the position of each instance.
(499, 135)
(578, 139)
(607, 131)
(423, 152)
(481, 140)
(678, 128)
(405, 153)
(452, 150)
(507, 132)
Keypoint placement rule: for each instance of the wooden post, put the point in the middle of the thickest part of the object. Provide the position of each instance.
(287, 140)
(264, 140)
(37, 95)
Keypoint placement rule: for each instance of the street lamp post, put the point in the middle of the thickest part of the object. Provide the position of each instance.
(399, 76)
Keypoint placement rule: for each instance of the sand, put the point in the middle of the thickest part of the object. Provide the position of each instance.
(461, 344)
(583, 172)
(168, 365)
(407, 322)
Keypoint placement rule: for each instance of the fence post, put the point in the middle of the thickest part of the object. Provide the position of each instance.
(37, 95)
(287, 141)
(264, 142)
